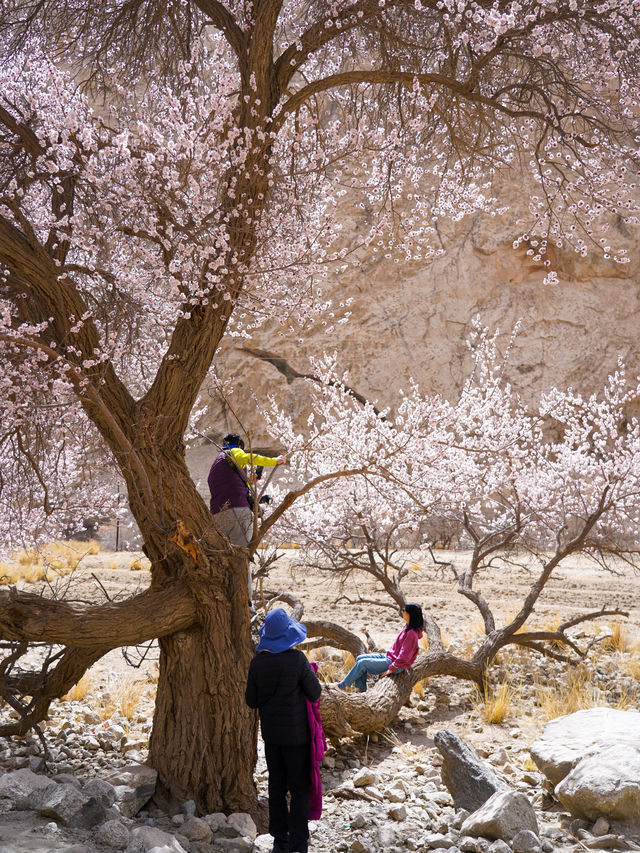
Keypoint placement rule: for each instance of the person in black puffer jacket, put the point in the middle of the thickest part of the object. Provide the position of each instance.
(280, 681)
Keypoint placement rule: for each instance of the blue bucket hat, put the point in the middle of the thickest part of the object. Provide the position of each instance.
(280, 632)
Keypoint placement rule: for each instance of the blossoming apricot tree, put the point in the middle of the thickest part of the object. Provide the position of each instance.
(191, 186)
(526, 489)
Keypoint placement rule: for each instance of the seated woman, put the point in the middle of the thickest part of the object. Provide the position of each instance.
(400, 656)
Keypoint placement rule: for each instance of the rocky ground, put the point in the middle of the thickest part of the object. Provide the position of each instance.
(382, 793)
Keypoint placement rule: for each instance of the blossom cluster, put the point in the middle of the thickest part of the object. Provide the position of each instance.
(484, 471)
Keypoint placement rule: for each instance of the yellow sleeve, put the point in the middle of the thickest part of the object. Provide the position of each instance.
(242, 459)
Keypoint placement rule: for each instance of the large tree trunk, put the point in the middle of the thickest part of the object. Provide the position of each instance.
(203, 741)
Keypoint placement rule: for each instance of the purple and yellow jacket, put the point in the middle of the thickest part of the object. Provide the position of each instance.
(228, 480)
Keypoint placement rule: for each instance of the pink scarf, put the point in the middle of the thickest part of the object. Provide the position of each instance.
(318, 749)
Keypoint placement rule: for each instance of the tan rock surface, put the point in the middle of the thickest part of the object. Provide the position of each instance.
(412, 319)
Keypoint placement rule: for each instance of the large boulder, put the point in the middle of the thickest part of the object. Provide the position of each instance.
(504, 815)
(21, 786)
(607, 782)
(567, 740)
(70, 806)
(134, 785)
(469, 781)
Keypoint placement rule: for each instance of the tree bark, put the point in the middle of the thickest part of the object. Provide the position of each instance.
(203, 742)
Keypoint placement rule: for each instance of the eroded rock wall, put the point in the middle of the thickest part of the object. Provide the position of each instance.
(413, 320)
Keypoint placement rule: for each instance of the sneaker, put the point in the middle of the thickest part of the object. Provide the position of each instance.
(335, 684)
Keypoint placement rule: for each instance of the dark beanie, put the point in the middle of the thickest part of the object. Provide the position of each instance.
(232, 440)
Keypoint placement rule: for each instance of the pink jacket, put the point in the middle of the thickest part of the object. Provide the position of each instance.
(318, 749)
(404, 650)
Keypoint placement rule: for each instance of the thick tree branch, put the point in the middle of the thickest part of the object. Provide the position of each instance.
(220, 17)
(153, 613)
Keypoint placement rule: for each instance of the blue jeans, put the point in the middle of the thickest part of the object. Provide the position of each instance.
(374, 663)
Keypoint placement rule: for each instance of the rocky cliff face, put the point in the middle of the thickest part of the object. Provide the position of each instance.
(412, 321)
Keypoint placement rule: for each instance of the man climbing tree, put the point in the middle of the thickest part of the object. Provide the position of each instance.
(168, 169)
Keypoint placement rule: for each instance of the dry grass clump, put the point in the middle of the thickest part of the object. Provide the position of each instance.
(122, 699)
(140, 564)
(33, 564)
(495, 706)
(10, 574)
(405, 747)
(578, 692)
(419, 688)
(79, 690)
(617, 639)
(331, 670)
(630, 666)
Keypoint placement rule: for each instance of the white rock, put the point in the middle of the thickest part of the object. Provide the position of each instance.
(243, 824)
(503, 815)
(600, 827)
(386, 836)
(396, 793)
(155, 839)
(526, 841)
(499, 846)
(364, 777)
(567, 740)
(605, 782)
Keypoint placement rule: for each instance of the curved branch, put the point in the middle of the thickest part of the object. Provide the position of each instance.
(290, 497)
(153, 613)
(44, 689)
(344, 714)
(290, 373)
(221, 18)
(350, 78)
(334, 635)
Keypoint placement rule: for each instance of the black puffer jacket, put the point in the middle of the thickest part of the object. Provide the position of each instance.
(278, 685)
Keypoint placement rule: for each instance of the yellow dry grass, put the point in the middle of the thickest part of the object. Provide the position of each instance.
(32, 565)
(630, 666)
(405, 747)
(618, 640)
(123, 698)
(79, 690)
(140, 564)
(577, 692)
(419, 688)
(331, 670)
(497, 704)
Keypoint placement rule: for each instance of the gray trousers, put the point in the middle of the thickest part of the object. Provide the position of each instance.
(236, 522)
